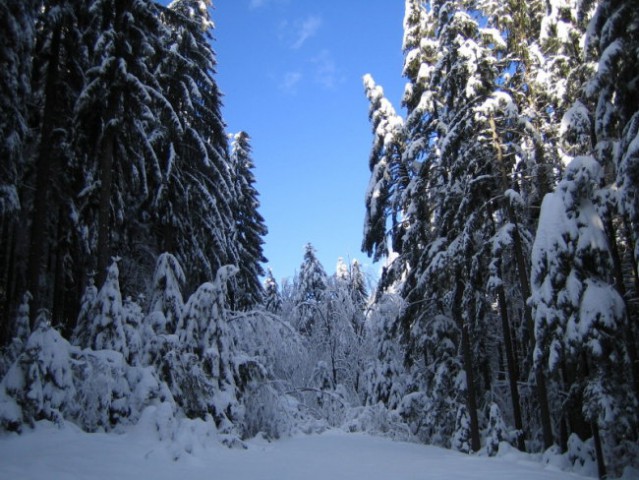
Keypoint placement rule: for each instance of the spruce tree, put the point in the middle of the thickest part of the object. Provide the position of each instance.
(107, 322)
(615, 118)
(17, 42)
(580, 318)
(166, 291)
(383, 194)
(192, 207)
(117, 118)
(310, 288)
(250, 228)
(272, 296)
(17, 22)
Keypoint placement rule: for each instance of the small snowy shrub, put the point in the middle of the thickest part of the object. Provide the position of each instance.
(411, 409)
(496, 432)
(40, 381)
(102, 389)
(107, 324)
(581, 455)
(378, 420)
(461, 437)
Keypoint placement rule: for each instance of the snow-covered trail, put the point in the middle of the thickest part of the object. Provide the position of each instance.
(70, 454)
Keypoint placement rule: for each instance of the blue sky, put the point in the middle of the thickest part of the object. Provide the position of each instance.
(291, 74)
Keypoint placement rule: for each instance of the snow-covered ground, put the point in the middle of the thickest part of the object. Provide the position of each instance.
(63, 454)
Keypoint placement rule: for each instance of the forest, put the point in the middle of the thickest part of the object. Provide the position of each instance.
(503, 203)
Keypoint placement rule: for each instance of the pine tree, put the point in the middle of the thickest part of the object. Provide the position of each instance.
(311, 285)
(462, 179)
(249, 225)
(22, 329)
(17, 39)
(132, 320)
(83, 328)
(272, 296)
(59, 63)
(107, 322)
(497, 432)
(117, 117)
(166, 294)
(203, 367)
(192, 207)
(40, 381)
(382, 197)
(385, 377)
(580, 319)
(17, 21)
(461, 438)
(615, 119)
(358, 284)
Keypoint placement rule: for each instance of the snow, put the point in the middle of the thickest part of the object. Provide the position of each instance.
(69, 453)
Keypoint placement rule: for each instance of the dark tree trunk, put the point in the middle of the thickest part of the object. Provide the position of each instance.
(621, 288)
(513, 371)
(563, 434)
(104, 212)
(61, 296)
(540, 380)
(7, 279)
(41, 208)
(524, 287)
(471, 398)
(601, 463)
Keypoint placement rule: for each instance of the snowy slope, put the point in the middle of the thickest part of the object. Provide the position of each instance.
(53, 454)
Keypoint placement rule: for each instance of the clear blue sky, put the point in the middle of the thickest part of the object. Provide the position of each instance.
(291, 74)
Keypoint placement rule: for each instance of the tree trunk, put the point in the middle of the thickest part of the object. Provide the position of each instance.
(540, 380)
(524, 287)
(513, 371)
(621, 288)
(60, 315)
(601, 464)
(104, 212)
(7, 270)
(633, 261)
(471, 401)
(41, 208)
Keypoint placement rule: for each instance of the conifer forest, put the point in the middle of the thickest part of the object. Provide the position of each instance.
(503, 204)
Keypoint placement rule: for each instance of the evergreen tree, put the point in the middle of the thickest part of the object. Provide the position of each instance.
(132, 320)
(59, 62)
(382, 196)
(461, 438)
(310, 288)
(83, 328)
(272, 296)
(117, 116)
(17, 39)
(17, 22)
(580, 318)
(385, 376)
(40, 381)
(192, 208)
(166, 294)
(497, 432)
(341, 271)
(204, 366)
(249, 225)
(22, 329)
(107, 322)
(358, 284)
(615, 119)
